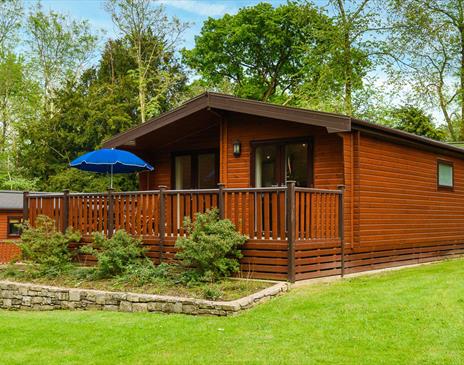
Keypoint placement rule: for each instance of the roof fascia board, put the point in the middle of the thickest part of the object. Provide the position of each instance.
(402, 139)
(333, 123)
(182, 111)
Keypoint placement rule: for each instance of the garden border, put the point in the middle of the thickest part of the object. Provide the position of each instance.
(27, 296)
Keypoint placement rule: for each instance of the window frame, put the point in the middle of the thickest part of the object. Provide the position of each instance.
(194, 163)
(11, 217)
(447, 163)
(280, 157)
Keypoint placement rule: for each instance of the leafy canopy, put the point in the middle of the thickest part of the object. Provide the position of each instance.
(413, 120)
(262, 51)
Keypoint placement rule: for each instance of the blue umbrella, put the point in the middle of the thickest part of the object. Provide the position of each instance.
(110, 161)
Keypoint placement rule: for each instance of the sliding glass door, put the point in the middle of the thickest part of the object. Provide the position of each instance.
(275, 162)
(195, 170)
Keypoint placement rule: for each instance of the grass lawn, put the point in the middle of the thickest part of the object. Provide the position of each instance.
(412, 316)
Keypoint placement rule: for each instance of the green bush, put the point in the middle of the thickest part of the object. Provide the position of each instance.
(145, 272)
(211, 248)
(46, 247)
(116, 254)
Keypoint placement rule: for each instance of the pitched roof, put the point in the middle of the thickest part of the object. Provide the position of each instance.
(11, 200)
(332, 122)
(208, 100)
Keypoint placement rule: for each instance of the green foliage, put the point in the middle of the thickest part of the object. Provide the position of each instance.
(59, 46)
(46, 247)
(11, 12)
(116, 255)
(82, 181)
(413, 120)
(151, 37)
(212, 293)
(266, 52)
(211, 247)
(426, 47)
(144, 272)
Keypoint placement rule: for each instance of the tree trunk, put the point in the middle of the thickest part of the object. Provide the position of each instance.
(348, 73)
(461, 71)
(142, 99)
(141, 79)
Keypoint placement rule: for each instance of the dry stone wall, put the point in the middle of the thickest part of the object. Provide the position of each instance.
(23, 296)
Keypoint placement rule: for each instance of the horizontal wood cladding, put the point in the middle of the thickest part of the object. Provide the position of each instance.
(399, 203)
(8, 252)
(8, 249)
(160, 158)
(261, 259)
(317, 258)
(327, 154)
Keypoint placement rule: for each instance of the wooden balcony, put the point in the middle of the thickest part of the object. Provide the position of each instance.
(294, 233)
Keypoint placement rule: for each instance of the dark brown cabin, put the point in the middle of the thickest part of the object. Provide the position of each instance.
(318, 194)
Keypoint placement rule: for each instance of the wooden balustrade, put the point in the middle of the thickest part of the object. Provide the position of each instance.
(259, 213)
(286, 225)
(317, 214)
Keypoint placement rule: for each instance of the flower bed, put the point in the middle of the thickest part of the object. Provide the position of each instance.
(226, 289)
(26, 296)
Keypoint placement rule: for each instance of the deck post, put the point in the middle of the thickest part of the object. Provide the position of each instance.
(290, 214)
(65, 216)
(221, 201)
(341, 228)
(110, 216)
(162, 220)
(25, 206)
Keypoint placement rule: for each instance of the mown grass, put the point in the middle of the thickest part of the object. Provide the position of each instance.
(412, 316)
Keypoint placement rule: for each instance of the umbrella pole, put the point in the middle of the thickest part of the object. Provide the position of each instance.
(111, 177)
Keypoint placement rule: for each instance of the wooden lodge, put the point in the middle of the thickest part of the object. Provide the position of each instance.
(318, 194)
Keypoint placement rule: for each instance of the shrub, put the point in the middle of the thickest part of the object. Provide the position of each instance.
(211, 247)
(45, 246)
(145, 272)
(212, 293)
(116, 254)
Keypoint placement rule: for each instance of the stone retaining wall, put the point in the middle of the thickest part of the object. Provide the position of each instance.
(16, 296)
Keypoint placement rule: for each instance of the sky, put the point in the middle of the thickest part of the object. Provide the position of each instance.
(194, 12)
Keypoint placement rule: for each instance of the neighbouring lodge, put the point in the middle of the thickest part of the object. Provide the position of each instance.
(318, 194)
(11, 215)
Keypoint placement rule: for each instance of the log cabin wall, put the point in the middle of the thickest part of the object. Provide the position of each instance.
(398, 215)
(161, 159)
(8, 250)
(236, 171)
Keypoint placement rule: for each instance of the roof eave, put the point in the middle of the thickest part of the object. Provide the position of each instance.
(403, 137)
(332, 122)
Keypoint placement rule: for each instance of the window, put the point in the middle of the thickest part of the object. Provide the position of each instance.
(195, 170)
(14, 226)
(266, 166)
(183, 172)
(278, 161)
(445, 172)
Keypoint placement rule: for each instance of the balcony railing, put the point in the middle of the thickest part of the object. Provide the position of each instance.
(284, 216)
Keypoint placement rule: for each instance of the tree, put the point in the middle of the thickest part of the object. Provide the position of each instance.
(428, 50)
(152, 37)
(413, 120)
(59, 49)
(356, 42)
(11, 12)
(263, 52)
(87, 113)
(102, 103)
